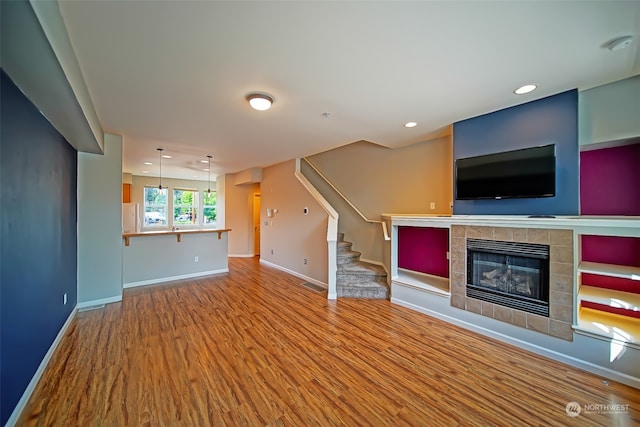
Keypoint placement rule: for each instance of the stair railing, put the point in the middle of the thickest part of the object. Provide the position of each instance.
(332, 231)
(383, 224)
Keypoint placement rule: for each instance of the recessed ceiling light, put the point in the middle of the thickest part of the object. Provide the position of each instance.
(148, 163)
(145, 171)
(525, 89)
(260, 101)
(204, 161)
(166, 156)
(410, 124)
(206, 169)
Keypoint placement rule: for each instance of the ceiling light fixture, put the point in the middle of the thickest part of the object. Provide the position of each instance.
(618, 43)
(148, 163)
(525, 89)
(410, 124)
(260, 101)
(209, 171)
(161, 156)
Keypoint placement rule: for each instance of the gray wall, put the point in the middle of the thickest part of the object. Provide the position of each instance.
(100, 224)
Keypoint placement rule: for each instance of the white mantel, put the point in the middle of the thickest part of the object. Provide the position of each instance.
(605, 225)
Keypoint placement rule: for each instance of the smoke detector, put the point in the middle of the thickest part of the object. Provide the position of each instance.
(618, 43)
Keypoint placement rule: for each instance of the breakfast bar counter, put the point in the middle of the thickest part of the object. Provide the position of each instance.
(161, 256)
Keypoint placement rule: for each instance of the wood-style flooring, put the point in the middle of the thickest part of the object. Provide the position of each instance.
(255, 348)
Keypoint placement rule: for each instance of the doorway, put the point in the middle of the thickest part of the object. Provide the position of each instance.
(256, 224)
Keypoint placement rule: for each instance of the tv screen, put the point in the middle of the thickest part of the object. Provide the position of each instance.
(529, 172)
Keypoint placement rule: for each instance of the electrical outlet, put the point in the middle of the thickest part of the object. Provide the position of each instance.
(305, 261)
(196, 259)
(432, 205)
(64, 299)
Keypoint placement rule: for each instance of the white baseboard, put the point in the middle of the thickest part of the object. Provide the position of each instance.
(173, 278)
(294, 273)
(551, 354)
(100, 301)
(241, 255)
(17, 411)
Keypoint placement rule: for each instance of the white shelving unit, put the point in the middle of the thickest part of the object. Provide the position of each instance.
(624, 329)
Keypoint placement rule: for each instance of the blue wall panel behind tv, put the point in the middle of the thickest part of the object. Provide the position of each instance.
(551, 120)
(38, 220)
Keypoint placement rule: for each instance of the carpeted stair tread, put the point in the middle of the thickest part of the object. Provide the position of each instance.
(373, 290)
(362, 267)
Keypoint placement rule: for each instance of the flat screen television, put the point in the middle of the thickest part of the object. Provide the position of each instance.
(524, 173)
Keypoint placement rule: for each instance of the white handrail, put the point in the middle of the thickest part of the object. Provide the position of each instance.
(371, 221)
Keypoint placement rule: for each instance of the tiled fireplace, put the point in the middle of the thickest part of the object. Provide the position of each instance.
(524, 276)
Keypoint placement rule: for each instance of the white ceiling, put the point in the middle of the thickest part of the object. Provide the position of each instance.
(174, 74)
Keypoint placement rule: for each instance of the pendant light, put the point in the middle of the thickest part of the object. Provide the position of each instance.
(160, 185)
(209, 170)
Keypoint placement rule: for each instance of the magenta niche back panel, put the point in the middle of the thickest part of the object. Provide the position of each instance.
(424, 249)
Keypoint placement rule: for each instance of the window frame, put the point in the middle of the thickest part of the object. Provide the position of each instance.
(155, 226)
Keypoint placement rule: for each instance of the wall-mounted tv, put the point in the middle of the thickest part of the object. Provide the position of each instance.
(528, 172)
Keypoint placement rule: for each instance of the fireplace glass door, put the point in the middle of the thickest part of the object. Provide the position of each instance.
(512, 274)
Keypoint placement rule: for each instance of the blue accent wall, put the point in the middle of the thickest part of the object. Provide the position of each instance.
(551, 120)
(38, 221)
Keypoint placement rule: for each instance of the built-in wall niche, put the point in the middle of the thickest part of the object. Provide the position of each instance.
(609, 266)
(609, 180)
(423, 256)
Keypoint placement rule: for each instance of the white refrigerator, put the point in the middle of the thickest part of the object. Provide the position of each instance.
(130, 218)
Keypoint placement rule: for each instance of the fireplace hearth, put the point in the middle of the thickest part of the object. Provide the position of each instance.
(511, 274)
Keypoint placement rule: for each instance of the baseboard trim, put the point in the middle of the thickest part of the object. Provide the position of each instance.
(101, 301)
(551, 354)
(17, 411)
(294, 273)
(241, 255)
(174, 278)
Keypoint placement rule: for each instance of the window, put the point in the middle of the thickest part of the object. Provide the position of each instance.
(209, 210)
(155, 207)
(185, 207)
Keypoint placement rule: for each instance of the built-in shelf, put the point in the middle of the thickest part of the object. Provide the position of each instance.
(611, 298)
(427, 282)
(611, 270)
(623, 329)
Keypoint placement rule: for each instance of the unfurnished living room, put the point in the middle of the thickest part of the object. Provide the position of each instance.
(294, 213)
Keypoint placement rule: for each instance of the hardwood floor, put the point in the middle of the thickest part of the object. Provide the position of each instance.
(255, 348)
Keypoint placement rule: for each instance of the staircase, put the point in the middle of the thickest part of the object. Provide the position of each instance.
(358, 279)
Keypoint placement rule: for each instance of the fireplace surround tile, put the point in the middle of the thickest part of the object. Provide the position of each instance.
(561, 272)
(504, 234)
(538, 235)
(538, 323)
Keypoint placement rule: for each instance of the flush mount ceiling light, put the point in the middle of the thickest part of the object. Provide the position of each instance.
(618, 43)
(410, 124)
(525, 89)
(260, 101)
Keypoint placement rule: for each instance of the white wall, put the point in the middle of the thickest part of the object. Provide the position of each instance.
(100, 224)
(610, 112)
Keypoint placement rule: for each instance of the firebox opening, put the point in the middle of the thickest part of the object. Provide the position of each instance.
(511, 274)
